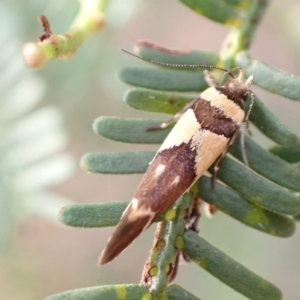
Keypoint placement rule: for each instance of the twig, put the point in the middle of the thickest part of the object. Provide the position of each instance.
(161, 266)
(90, 19)
(241, 39)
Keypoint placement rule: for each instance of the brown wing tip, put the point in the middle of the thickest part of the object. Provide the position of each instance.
(104, 258)
(115, 245)
(125, 232)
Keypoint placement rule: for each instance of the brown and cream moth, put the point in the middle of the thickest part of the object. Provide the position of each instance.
(205, 130)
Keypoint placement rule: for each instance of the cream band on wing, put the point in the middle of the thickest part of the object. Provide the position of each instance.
(208, 146)
(230, 109)
(183, 131)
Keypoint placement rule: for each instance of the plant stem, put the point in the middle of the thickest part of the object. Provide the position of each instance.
(241, 38)
(90, 19)
(160, 268)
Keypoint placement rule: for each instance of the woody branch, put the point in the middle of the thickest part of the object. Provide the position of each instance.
(89, 20)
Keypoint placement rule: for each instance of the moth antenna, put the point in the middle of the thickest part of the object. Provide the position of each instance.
(237, 68)
(201, 66)
(244, 127)
(242, 140)
(250, 108)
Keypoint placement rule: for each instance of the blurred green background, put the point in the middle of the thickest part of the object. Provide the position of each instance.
(46, 120)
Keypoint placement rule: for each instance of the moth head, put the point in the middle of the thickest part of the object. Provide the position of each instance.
(237, 89)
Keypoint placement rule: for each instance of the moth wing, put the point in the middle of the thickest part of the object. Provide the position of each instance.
(131, 224)
(187, 152)
(150, 199)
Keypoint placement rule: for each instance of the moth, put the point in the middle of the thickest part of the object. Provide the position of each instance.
(205, 130)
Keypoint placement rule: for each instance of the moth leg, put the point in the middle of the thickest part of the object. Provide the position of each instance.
(209, 210)
(194, 215)
(175, 118)
(174, 268)
(221, 157)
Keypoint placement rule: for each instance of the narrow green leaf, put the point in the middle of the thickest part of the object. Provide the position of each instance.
(227, 270)
(270, 125)
(217, 11)
(149, 100)
(130, 130)
(176, 292)
(95, 215)
(269, 78)
(297, 217)
(232, 204)
(117, 163)
(92, 215)
(105, 292)
(268, 165)
(164, 79)
(160, 54)
(257, 189)
(290, 154)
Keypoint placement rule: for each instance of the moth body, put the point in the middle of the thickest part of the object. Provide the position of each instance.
(203, 133)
